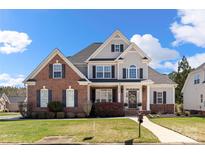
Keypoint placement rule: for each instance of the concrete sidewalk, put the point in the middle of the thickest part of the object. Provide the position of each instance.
(165, 135)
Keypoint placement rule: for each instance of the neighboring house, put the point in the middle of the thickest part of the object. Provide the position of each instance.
(114, 71)
(3, 102)
(194, 90)
(13, 103)
(10, 103)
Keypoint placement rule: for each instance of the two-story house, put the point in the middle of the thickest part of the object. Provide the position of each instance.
(116, 70)
(194, 90)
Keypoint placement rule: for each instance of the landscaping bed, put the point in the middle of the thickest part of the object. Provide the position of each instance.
(79, 131)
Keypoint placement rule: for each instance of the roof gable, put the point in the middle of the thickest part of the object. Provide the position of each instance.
(116, 35)
(134, 47)
(46, 61)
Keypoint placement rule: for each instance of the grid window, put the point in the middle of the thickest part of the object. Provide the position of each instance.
(117, 48)
(133, 73)
(103, 95)
(159, 97)
(57, 71)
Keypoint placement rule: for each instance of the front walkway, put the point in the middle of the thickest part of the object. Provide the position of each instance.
(165, 135)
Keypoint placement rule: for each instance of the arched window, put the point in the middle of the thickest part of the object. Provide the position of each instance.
(133, 72)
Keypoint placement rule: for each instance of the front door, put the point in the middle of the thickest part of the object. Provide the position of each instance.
(132, 98)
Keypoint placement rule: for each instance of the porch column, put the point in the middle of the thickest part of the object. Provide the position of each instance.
(148, 97)
(119, 93)
(124, 94)
(173, 94)
(88, 92)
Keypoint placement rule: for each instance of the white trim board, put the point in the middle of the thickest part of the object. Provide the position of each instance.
(46, 61)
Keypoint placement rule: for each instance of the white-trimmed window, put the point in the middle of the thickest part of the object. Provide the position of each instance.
(159, 97)
(43, 97)
(196, 79)
(70, 98)
(117, 48)
(103, 72)
(99, 71)
(132, 72)
(103, 95)
(201, 98)
(57, 71)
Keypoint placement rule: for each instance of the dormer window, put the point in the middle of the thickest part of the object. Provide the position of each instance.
(117, 47)
(57, 71)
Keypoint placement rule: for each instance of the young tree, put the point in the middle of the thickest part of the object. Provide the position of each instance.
(180, 77)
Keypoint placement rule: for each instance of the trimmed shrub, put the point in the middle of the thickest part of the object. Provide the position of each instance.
(50, 115)
(178, 113)
(109, 109)
(81, 115)
(60, 115)
(55, 106)
(34, 115)
(41, 115)
(70, 115)
(187, 113)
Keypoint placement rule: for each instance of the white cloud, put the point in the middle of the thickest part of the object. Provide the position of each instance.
(8, 80)
(190, 28)
(13, 42)
(194, 61)
(160, 56)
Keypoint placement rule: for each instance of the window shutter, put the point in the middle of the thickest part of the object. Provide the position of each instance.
(155, 97)
(114, 91)
(94, 72)
(112, 47)
(63, 70)
(49, 96)
(38, 98)
(50, 71)
(164, 97)
(113, 71)
(64, 98)
(141, 73)
(76, 98)
(124, 73)
(121, 47)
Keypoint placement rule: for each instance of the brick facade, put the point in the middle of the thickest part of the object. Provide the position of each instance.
(162, 108)
(57, 85)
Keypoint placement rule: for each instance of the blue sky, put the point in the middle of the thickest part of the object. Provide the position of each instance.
(72, 30)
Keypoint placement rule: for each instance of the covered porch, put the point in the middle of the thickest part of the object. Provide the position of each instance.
(134, 95)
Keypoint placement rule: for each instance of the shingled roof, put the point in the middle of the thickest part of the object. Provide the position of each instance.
(84, 54)
(159, 78)
(79, 61)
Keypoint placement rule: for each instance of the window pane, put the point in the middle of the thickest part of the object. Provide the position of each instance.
(99, 74)
(132, 73)
(107, 75)
(103, 95)
(99, 68)
(107, 68)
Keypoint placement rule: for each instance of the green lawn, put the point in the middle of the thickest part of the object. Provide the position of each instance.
(106, 130)
(9, 113)
(193, 127)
